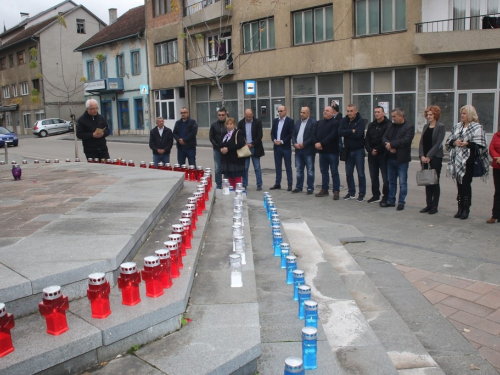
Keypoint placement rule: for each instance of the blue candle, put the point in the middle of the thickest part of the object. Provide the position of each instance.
(304, 295)
(291, 265)
(294, 366)
(309, 347)
(285, 251)
(311, 309)
(275, 220)
(298, 280)
(273, 210)
(266, 197)
(277, 240)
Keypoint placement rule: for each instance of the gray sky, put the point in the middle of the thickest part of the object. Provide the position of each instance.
(10, 10)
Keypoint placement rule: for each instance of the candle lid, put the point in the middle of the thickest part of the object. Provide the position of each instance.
(199, 168)
(52, 292)
(97, 278)
(285, 245)
(298, 273)
(235, 257)
(171, 245)
(128, 268)
(178, 227)
(175, 237)
(3, 311)
(192, 200)
(278, 235)
(185, 221)
(186, 213)
(304, 289)
(311, 305)
(191, 206)
(151, 261)
(294, 365)
(163, 253)
(309, 333)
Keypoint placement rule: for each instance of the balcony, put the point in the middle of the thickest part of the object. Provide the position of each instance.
(457, 35)
(205, 11)
(208, 67)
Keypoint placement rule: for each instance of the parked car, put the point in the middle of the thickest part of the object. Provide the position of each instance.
(42, 128)
(8, 137)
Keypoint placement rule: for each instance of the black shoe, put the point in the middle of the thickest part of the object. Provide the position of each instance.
(296, 191)
(289, 188)
(386, 204)
(433, 211)
(400, 207)
(465, 213)
(459, 212)
(275, 187)
(309, 192)
(373, 200)
(322, 193)
(259, 187)
(425, 209)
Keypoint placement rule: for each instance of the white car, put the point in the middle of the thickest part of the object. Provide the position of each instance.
(42, 128)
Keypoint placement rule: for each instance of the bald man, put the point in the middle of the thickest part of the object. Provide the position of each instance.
(93, 129)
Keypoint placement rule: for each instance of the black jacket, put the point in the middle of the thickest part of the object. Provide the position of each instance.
(233, 144)
(165, 142)
(256, 136)
(286, 132)
(374, 134)
(216, 134)
(308, 137)
(403, 140)
(353, 140)
(86, 126)
(190, 132)
(327, 133)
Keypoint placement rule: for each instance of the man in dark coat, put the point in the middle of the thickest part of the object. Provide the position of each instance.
(252, 127)
(185, 131)
(216, 134)
(281, 135)
(93, 129)
(161, 141)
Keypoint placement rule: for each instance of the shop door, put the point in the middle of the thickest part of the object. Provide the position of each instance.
(107, 113)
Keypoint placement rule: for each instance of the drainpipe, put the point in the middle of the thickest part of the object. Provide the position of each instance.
(42, 90)
(148, 122)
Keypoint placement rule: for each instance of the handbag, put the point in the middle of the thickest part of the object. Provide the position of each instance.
(427, 176)
(343, 154)
(478, 164)
(243, 152)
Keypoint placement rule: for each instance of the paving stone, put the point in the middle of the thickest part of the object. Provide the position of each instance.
(481, 288)
(469, 307)
(403, 268)
(495, 316)
(424, 285)
(491, 299)
(476, 322)
(492, 356)
(458, 283)
(445, 310)
(457, 292)
(416, 275)
(461, 365)
(476, 335)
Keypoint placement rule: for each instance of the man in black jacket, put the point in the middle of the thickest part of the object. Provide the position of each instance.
(216, 134)
(397, 139)
(252, 127)
(303, 142)
(375, 148)
(93, 129)
(326, 138)
(352, 128)
(185, 131)
(161, 141)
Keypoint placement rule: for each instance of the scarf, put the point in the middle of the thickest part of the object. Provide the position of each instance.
(459, 155)
(227, 137)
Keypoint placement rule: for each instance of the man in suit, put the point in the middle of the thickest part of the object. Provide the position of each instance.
(185, 131)
(281, 135)
(216, 134)
(161, 141)
(303, 142)
(252, 127)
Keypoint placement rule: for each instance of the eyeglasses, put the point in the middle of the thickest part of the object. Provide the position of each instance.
(184, 113)
(93, 107)
(281, 110)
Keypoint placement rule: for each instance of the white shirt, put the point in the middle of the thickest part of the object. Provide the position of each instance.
(161, 131)
(280, 128)
(300, 136)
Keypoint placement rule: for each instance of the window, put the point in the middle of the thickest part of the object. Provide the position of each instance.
(21, 57)
(161, 7)
(11, 61)
(270, 95)
(3, 63)
(90, 70)
(24, 88)
(259, 35)
(80, 26)
(139, 113)
(39, 115)
(208, 101)
(166, 53)
(380, 16)
(14, 91)
(136, 63)
(120, 66)
(6, 92)
(27, 119)
(463, 9)
(313, 25)
(123, 114)
(165, 104)
(103, 64)
(36, 84)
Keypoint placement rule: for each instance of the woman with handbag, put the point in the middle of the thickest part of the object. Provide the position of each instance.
(495, 154)
(233, 166)
(467, 146)
(431, 155)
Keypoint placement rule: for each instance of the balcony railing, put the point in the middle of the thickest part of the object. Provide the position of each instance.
(193, 8)
(481, 22)
(195, 63)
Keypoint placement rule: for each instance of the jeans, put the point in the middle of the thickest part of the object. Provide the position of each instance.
(217, 167)
(283, 152)
(329, 160)
(378, 163)
(165, 158)
(304, 159)
(432, 192)
(256, 166)
(356, 159)
(183, 153)
(496, 198)
(397, 170)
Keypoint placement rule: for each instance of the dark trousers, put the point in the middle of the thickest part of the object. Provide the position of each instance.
(283, 152)
(100, 153)
(464, 196)
(432, 192)
(184, 153)
(378, 163)
(496, 197)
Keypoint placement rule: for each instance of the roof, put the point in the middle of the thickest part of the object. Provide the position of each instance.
(27, 34)
(129, 24)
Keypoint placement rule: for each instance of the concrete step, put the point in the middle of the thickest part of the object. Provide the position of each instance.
(91, 341)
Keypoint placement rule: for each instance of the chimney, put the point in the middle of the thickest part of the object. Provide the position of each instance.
(112, 15)
(25, 16)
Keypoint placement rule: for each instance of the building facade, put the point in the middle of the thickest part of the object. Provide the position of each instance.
(40, 77)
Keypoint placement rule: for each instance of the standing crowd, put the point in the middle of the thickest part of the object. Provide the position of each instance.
(334, 138)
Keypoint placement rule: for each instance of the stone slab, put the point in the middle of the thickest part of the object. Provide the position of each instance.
(125, 365)
(365, 360)
(13, 285)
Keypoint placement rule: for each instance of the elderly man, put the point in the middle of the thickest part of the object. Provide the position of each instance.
(185, 131)
(93, 129)
(281, 135)
(252, 127)
(161, 141)
(303, 142)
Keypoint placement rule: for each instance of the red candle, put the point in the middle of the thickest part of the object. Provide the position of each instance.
(152, 275)
(192, 208)
(166, 279)
(128, 282)
(186, 214)
(131, 163)
(6, 324)
(186, 223)
(192, 173)
(143, 164)
(53, 307)
(173, 248)
(177, 238)
(179, 229)
(98, 294)
(200, 204)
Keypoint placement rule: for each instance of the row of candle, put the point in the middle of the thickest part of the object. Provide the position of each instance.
(237, 259)
(307, 308)
(158, 272)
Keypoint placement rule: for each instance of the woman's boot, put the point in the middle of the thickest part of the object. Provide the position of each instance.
(465, 209)
(459, 212)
